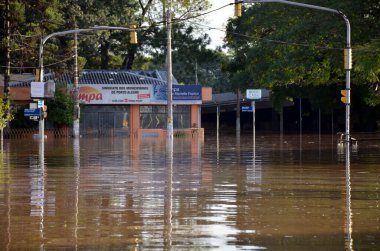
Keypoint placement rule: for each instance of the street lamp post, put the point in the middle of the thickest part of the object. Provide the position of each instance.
(348, 51)
(76, 91)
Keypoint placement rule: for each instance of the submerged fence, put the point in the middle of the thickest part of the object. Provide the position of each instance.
(15, 133)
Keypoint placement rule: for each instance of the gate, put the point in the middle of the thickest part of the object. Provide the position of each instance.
(105, 120)
(106, 124)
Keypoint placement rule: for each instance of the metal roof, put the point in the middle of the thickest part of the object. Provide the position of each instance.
(122, 77)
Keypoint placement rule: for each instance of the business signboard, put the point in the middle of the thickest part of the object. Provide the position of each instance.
(138, 94)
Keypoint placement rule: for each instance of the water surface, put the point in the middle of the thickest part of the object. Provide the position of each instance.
(292, 193)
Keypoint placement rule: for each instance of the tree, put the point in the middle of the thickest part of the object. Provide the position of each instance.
(60, 109)
(6, 116)
(302, 49)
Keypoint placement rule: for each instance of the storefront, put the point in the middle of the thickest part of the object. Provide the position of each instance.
(134, 103)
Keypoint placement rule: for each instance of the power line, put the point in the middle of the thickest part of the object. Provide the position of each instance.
(33, 67)
(267, 39)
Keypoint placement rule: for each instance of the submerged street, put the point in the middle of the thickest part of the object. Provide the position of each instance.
(292, 193)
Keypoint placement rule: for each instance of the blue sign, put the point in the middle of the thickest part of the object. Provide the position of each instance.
(32, 112)
(247, 109)
(180, 92)
(187, 92)
(40, 103)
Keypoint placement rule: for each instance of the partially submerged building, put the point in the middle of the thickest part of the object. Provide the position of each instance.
(135, 102)
(122, 102)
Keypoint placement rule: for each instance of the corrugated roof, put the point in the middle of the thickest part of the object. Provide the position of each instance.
(125, 77)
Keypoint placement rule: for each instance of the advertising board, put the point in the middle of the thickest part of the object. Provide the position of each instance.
(138, 94)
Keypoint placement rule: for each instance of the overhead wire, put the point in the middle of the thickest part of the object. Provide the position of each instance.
(187, 19)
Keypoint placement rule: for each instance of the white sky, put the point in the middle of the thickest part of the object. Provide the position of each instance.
(218, 19)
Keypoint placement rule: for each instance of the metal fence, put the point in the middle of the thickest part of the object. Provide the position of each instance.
(15, 133)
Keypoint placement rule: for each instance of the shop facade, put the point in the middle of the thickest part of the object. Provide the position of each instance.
(130, 103)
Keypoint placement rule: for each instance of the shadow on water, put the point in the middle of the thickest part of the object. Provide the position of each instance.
(283, 192)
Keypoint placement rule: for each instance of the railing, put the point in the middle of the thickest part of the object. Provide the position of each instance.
(17, 133)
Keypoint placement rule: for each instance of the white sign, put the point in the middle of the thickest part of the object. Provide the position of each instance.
(37, 89)
(253, 93)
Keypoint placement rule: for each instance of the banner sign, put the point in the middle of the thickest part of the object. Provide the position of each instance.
(139, 94)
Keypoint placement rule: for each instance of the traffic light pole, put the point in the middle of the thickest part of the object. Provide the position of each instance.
(76, 92)
(348, 51)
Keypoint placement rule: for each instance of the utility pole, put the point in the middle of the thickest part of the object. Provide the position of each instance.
(76, 89)
(7, 72)
(169, 74)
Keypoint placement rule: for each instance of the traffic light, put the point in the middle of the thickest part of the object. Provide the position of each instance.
(43, 112)
(133, 35)
(344, 96)
(238, 5)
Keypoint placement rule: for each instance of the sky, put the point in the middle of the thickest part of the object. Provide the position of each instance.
(218, 19)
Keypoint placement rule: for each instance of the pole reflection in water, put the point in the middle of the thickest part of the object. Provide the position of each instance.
(8, 196)
(38, 189)
(169, 193)
(76, 148)
(217, 134)
(349, 241)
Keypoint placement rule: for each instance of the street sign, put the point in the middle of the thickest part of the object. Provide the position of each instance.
(253, 93)
(32, 112)
(40, 103)
(37, 89)
(247, 109)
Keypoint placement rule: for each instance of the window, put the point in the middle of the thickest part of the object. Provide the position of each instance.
(154, 116)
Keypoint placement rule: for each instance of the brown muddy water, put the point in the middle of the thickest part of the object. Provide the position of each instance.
(291, 193)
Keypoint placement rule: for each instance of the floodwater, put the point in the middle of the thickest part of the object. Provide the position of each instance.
(291, 193)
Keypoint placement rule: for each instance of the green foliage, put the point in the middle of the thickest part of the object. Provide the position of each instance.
(300, 51)
(20, 121)
(61, 109)
(6, 114)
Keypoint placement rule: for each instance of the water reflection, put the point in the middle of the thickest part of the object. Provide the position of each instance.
(143, 194)
(76, 155)
(169, 193)
(348, 200)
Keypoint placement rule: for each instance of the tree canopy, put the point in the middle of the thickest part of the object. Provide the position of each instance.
(282, 48)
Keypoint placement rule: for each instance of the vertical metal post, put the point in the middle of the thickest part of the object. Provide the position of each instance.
(348, 66)
(319, 123)
(41, 122)
(254, 128)
(300, 111)
(217, 121)
(169, 75)
(76, 89)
